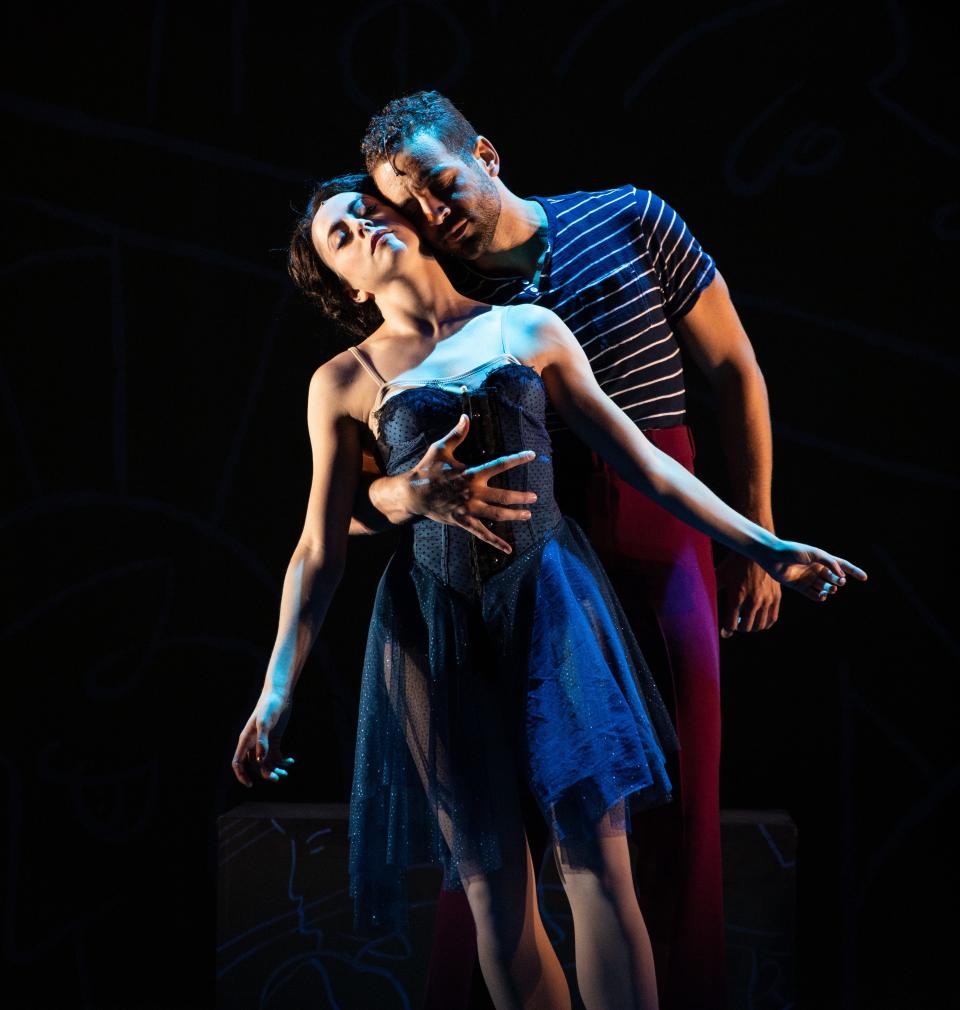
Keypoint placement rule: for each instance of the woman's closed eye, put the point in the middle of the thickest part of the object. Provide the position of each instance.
(362, 212)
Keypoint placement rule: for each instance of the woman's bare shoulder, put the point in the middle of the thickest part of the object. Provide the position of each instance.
(534, 331)
(531, 315)
(339, 384)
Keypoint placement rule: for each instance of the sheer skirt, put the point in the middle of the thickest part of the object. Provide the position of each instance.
(539, 676)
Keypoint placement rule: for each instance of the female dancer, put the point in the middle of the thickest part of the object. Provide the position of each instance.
(489, 675)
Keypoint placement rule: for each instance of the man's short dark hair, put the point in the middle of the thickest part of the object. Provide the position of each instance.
(403, 118)
(320, 285)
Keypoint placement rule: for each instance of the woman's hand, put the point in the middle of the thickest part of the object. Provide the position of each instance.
(259, 743)
(809, 570)
(440, 487)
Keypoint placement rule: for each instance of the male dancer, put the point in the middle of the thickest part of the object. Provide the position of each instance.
(622, 270)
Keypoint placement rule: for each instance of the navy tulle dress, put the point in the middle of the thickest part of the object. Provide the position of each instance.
(480, 664)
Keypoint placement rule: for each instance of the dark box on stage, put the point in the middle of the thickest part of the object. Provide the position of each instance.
(285, 938)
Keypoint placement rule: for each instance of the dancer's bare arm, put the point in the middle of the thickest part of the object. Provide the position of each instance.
(713, 336)
(315, 569)
(541, 337)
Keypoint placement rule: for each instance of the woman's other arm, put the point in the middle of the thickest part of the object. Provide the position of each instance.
(318, 559)
(315, 568)
(605, 428)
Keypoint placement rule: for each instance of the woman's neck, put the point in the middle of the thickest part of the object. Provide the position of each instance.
(424, 304)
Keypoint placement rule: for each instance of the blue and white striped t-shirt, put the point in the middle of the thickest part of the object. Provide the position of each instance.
(620, 265)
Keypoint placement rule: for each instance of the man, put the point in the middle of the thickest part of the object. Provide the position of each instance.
(622, 270)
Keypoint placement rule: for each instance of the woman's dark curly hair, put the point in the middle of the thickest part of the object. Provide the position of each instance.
(320, 285)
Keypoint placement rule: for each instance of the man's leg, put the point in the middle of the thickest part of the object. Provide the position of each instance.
(453, 956)
(662, 570)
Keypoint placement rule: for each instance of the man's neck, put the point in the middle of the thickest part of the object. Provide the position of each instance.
(519, 242)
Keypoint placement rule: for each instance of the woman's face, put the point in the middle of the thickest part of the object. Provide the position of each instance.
(363, 240)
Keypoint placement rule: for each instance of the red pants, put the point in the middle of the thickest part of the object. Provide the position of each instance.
(662, 571)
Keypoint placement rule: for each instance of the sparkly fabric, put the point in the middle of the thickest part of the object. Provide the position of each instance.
(480, 664)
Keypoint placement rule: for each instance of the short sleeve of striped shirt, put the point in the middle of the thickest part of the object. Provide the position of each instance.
(682, 267)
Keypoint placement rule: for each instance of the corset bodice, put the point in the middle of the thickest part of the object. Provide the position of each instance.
(506, 411)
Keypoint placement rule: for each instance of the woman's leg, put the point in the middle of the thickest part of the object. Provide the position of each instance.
(662, 571)
(615, 967)
(518, 962)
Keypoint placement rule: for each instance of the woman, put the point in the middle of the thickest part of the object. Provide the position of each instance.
(489, 675)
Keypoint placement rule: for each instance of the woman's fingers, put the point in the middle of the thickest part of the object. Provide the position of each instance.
(244, 760)
(841, 567)
(850, 569)
(242, 755)
(274, 771)
(814, 579)
(826, 577)
(254, 750)
(240, 771)
(819, 579)
(815, 572)
(242, 763)
(822, 582)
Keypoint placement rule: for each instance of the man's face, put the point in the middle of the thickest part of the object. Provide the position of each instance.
(451, 200)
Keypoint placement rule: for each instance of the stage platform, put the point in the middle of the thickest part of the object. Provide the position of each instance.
(284, 919)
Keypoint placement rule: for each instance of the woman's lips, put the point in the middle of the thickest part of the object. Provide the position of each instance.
(376, 239)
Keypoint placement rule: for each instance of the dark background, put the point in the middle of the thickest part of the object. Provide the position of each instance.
(154, 382)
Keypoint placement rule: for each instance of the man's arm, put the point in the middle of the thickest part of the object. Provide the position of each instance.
(371, 511)
(442, 489)
(697, 305)
(713, 336)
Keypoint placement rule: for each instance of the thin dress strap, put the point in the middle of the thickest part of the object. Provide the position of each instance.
(368, 366)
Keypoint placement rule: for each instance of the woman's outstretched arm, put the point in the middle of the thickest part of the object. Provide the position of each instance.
(605, 428)
(314, 572)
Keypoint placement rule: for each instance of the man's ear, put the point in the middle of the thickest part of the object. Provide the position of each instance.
(486, 153)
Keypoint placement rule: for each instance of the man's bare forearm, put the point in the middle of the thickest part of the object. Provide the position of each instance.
(747, 443)
(377, 507)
